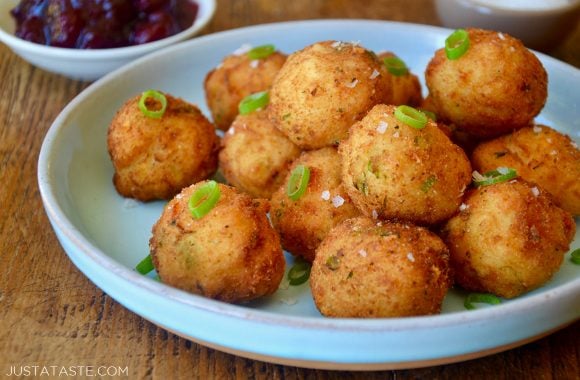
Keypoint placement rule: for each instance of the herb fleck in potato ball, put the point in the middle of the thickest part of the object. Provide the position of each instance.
(370, 269)
(255, 156)
(231, 254)
(406, 86)
(304, 222)
(323, 89)
(239, 75)
(394, 171)
(508, 239)
(156, 156)
(541, 155)
(496, 87)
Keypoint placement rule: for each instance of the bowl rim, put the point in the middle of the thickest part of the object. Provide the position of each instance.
(205, 13)
(479, 5)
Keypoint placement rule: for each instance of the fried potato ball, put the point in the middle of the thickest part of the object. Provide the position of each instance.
(370, 269)
(231, 254)
(255, 155)
(323, 89)
(156, 158)
(406, 86)
(303, 223)
(235, 78)
(508, 239)
(393, 171)
(496, 87)
(541, 155)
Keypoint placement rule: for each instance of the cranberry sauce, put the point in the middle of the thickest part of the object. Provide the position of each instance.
(98, 24)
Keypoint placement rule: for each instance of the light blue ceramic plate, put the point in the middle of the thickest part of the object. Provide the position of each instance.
(106, 235)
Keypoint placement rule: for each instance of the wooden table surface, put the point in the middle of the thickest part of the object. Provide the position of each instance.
(51, 315)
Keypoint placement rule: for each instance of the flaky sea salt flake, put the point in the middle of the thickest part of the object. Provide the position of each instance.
(382, 127)
(352, 84)
(337, 201)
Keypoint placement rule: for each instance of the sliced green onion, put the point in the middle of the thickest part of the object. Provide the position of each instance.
(396, 66)
(575, 256)
(262, 51)
(299, 272)
(429, 114)
(298, 182)
(457, 44)
(411, 116)
(204, 199)
(145, 266)
(155, 95)
(428, 183)
(480, 298)
(254, 102)
(494, 176)
(333, 262)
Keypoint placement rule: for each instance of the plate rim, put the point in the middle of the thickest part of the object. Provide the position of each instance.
(58, 217)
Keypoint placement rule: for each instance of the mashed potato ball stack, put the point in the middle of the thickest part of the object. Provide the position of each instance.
(213, 241)
(508, 238)
(324, 88)
(246, 71)
(394, 168)
(370, 269)
(494, 87)
(160, 144)
(303, 220)
(255, 156)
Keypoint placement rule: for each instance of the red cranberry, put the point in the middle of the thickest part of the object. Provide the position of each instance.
(149, 6)
(32, 29)
(158, 25)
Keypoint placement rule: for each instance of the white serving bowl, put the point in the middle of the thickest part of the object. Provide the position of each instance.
(90, 64)
(541, 25)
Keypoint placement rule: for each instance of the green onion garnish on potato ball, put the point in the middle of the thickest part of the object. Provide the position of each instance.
(494, 176)
(254, 102)
(396, 66)
(159, 98)
(298, 182)
(411, 116)
(204, 199)
(262, 51)
(457, 44)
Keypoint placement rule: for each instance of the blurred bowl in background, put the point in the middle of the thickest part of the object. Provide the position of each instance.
(540, 24)
(90, 64)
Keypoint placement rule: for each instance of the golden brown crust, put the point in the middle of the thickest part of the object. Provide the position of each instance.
(541, 155)
(231, 254)
(324, 88)
(255, 156)
(406, 87)
(304, 223)
(370, 269)
(496, 87)
(156, 158)
(508, 239)
(393, 171)
(235, 78)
